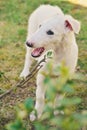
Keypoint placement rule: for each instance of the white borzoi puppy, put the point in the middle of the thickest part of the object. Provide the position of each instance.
(49, 29)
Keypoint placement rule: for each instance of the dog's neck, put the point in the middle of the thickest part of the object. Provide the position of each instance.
(64, 48)
(68, 39)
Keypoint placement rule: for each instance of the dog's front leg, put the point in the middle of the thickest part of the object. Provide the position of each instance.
(28, 61)
(40, 97)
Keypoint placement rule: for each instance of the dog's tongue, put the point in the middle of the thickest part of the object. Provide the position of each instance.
(37, 52)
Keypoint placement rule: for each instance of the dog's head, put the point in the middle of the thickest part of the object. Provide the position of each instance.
(51, 32)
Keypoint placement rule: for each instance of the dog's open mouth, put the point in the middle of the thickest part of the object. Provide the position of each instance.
(37, 52)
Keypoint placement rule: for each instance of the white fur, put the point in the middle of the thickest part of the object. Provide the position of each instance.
(62, 43)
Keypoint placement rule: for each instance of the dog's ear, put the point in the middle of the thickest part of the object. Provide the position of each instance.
(72, 24)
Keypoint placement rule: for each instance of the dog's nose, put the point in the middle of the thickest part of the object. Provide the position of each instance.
(29, 44)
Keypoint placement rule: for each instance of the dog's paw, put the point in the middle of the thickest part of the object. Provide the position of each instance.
(32, 117)
(24, 74)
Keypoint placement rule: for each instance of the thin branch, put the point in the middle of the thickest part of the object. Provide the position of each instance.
(26, 80)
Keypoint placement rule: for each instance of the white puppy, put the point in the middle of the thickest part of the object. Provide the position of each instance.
(49, 29)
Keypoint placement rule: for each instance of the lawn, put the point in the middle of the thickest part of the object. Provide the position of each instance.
(13, 30)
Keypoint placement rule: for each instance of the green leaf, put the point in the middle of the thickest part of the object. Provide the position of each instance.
(46, 80)
(57, 121)
(49, 54)
(2, 91)
(70, 101)
(68, 88)
(17, 125)
(1, 73)
(29, 104)
(39, 126)
(81, 117)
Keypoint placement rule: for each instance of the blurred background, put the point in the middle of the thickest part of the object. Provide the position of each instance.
(80, 2)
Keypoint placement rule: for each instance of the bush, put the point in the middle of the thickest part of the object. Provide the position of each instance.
(58, 82)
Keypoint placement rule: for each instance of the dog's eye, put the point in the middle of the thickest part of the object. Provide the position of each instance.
(49, 32)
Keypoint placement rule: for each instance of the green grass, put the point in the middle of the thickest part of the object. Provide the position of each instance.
(13, 30)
